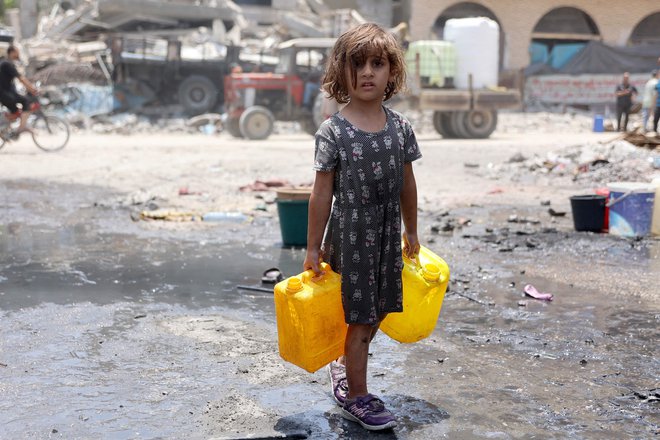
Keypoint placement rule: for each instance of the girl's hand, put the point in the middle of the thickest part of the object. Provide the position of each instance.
(410, 245)
(313, 261)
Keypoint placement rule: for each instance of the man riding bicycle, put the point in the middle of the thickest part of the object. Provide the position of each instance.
(9, 96)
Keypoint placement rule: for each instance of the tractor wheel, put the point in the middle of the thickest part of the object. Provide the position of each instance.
(197, 94)
(446, 126)
(438, 124)
(233, 127)
(457, 123)
(256, 123)
(479, 124)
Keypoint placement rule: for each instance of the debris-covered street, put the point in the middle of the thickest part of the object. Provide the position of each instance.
(157, 157)
(120, 324)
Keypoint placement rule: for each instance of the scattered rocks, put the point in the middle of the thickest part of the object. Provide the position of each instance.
(596, 163)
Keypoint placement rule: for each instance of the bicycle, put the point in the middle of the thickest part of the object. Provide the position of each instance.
(49, 132)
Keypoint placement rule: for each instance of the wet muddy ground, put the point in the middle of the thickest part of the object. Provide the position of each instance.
(112, 328)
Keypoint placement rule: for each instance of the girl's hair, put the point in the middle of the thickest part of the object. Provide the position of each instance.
(352, 49)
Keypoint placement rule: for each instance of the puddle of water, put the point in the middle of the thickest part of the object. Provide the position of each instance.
(73, 265)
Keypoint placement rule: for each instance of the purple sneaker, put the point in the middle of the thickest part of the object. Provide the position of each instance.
(369, 411)
(338, 381)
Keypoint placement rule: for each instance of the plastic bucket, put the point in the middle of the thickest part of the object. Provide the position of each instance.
(598, 124)
(631, 208)
(606, 218)
(588, 212)
(292, 208)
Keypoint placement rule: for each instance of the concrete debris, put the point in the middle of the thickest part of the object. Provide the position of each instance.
(94, 18)
(597, 163)
(63, 74)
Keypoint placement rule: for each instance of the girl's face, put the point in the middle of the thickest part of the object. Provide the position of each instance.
(372, 76)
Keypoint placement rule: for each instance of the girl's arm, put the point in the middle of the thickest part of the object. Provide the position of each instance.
(320, 203)
(409, 212)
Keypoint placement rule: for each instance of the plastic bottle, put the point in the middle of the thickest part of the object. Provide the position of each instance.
(224, 217)
(311, 329)
(424, 286)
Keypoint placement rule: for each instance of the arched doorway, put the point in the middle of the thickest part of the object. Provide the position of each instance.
(647, 31)
(464, 10)
(560, 34)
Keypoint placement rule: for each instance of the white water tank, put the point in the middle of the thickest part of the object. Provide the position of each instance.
(477, 43)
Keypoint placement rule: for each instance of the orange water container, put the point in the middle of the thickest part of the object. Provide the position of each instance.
(424, 286)
(311, 329)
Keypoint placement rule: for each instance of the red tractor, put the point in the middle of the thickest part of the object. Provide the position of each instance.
(254, 101)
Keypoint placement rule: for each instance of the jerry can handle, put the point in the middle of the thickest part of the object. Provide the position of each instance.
(309, 273)
(413, 262)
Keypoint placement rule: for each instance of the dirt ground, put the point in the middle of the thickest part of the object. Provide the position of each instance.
(117, 326)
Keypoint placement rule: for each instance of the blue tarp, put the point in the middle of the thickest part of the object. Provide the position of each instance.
(561, 54)
(92, 100)
(538, 53)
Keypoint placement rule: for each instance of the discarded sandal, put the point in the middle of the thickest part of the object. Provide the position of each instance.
(531, 291)
(272, 276)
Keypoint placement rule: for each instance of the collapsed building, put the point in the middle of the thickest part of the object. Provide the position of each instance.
(148, 49)
(169, 56)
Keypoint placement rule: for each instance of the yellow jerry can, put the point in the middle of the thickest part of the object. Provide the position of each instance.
(310, 318)
(424, 286)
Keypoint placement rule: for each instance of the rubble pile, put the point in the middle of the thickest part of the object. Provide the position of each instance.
(595, 163)
(164, 58)
(61, 74)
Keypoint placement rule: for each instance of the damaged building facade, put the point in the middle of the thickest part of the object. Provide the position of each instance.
(578, 51)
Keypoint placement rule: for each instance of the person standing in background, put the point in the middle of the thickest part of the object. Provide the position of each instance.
(624, 98)
(649, 98)
(656, 112)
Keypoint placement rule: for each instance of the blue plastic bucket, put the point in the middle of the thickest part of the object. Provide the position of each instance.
(631, 208)
(293, 208)
(598, 124)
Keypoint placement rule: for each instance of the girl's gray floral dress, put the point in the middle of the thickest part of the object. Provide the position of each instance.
(363, 237)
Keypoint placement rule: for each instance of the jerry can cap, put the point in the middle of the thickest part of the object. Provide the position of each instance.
(431, 272)
(294, 284)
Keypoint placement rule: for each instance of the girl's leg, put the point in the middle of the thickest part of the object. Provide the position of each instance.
(356, 351)
(374, 330)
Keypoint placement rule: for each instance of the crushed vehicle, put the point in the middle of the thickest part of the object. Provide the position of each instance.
(162, 72)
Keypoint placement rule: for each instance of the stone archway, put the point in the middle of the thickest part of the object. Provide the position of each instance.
(647, 31)
(465, 10)
(560, 34)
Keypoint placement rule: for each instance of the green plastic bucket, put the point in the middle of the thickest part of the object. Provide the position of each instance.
(292, 208)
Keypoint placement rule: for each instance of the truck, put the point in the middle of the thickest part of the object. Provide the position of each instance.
(254, 101)
(162, 73)
(467, 113)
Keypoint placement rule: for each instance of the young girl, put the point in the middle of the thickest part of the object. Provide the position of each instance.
(363, 158)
